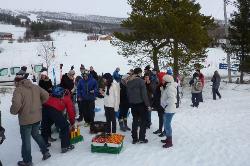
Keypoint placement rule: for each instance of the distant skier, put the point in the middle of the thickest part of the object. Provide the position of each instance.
(216, 84)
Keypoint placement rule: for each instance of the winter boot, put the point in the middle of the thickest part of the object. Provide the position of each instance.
(168, 142)
(135, 141)
(70, 147)
(162, 134)
(46, 155)
(122, 126)
(51, 139)
(126, 125)
(144, 141)
(22, 163)
(157, 132)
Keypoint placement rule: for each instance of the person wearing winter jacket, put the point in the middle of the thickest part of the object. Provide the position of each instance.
(67, 81)
(202, 78)
(46, 84)
(93, 73)
(27, 101)
(111, 101)
(59, 100)
(168, 102)
(138, 99)
(87, 91)
(124, 104)
(156, 104)
(150, 93)
(216, 84)
(197, 87)
(116, 76)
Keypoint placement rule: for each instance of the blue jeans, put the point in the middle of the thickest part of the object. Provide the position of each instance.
(31, 130)
(167, 118)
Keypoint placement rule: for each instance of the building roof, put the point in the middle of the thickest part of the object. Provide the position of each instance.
(5, 33)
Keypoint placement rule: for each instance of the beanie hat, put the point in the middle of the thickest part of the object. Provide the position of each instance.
(82, 67)
(168, 78)
(160, 76)
(137, 70)
(44, 73)
(195, 75)
(147, 67)
(107, 76)
(169, 71)
(24, 68)
(71, 73)
(20, 76)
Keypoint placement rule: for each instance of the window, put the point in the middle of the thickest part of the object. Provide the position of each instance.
(4, 72)
(37, 68)
(14, 70)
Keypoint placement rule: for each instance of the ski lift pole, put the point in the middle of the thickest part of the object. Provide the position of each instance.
(61, 65)
(54, 75)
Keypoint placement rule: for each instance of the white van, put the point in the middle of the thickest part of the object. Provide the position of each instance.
(7, 74)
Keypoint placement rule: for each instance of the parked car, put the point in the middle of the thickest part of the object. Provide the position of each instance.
(8, 73)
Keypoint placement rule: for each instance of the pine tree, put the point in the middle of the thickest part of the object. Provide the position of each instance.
(239, 36)
(165, 31)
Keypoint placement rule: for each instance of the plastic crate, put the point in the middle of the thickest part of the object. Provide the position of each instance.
(106, 149)
(76, 139)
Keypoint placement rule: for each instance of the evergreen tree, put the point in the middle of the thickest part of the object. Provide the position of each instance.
(239, 36)
(165, 31)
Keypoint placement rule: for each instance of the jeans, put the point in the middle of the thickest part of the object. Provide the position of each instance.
(110, 118)
(167, 118)
(31, 130)
(139, 112)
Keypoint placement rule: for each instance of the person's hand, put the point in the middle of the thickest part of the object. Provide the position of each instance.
(72, 127)
(92, 91)
(149, 108)
(79, 99)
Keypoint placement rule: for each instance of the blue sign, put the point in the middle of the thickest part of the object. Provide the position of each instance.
(222, 66)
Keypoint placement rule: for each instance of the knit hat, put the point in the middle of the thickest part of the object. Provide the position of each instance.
(137, 70)
(20, 76)
(107, 76)
(147, 67)
(160, 76)
(169, 71)
(44, 73)
(82, 67)
(71, 73)
(168, 78)
(24, 68)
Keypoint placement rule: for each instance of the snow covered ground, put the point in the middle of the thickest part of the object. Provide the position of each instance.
(217, 133)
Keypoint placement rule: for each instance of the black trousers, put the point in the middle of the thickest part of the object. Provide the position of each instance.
(139, 112)
(110, 119)
(216, 92)
(87, 111)
(48, 123)
(160, 115)
(51, 114)
(196, 99)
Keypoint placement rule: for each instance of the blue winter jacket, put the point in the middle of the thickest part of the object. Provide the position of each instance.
(85, 86)
(117, 76)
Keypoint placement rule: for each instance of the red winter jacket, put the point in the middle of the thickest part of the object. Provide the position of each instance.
(60, 104)
(202, 78)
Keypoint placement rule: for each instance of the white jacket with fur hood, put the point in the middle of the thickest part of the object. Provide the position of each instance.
(113, 99)
(168, 95)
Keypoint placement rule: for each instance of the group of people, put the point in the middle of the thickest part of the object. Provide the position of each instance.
(153, 91)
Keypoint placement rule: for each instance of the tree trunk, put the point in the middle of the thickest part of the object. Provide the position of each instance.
(176, 60)
(155, 59)
(241, 77)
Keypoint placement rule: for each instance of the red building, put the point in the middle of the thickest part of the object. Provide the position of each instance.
(6, 36)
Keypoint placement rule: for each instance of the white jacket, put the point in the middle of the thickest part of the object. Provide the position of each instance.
(168, 98)
(113, 99)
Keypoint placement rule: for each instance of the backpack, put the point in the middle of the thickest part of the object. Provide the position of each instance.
(198, 85)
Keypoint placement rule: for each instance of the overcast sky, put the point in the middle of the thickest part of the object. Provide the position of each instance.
(115, 8)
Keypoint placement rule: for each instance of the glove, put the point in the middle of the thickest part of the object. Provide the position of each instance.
(149, 108)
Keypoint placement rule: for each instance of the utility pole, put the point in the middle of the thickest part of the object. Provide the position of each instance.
(227, 42)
